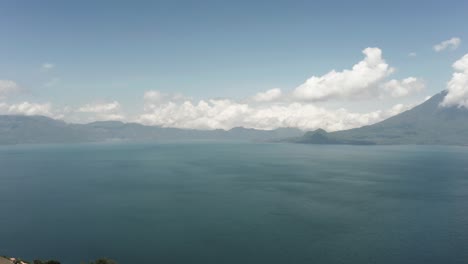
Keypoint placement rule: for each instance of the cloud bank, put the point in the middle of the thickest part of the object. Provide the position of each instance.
(301, 107)
(226, 114)
(367, 79)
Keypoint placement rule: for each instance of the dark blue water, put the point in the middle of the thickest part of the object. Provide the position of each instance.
(235, 203)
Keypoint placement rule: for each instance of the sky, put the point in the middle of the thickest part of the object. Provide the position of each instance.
(222, 64)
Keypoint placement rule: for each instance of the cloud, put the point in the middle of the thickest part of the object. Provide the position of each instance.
(366, 79)
(100, 107)
(27, 108)
(274, 108)
(153, 96)
(457, 87)
(361, 80)
(268, 96)
(31, 109)
(412, 54)
(8, 87)
(47, 66)
(226, 114)
(102, 111)
(452, 43)
(404, 87)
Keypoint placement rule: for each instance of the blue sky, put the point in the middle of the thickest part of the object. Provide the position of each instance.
(115, 51)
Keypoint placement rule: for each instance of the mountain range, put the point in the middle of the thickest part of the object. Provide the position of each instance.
(427, 123)
(17, 129)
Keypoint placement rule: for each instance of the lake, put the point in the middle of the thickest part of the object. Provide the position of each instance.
(231, 202)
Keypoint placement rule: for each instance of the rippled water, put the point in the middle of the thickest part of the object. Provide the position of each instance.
(235, 203)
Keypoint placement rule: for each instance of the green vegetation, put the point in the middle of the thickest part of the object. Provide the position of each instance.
(46, 262)
(98, 261)
(37, 261)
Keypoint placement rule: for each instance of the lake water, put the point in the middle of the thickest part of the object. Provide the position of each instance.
(206, 202)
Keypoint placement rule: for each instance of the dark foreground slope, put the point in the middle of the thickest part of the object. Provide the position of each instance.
(427, 123)
(40, 129)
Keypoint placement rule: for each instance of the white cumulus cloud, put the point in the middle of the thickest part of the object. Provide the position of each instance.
(102, 111)
(457, 87)
(8, 87)
(405, 87)
(153, 96)
(268, 96)
(28, 108)
(274, 108)
(226, 114)
(361, 80)
(452, 43)
(100, 107)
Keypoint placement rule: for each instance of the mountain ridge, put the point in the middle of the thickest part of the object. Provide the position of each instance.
(425, 124)
(20, 129)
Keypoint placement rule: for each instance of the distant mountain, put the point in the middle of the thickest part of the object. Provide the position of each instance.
(427, 123)
(16, 129)
(37, 129)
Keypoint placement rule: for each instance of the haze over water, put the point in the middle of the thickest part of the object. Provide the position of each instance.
(227, 202)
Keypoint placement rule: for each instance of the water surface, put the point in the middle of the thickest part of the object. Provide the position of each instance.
(229, 202)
